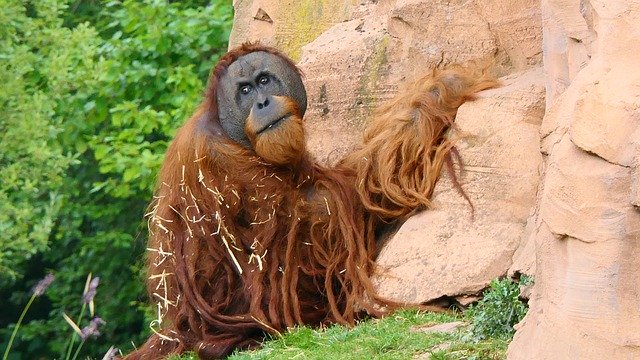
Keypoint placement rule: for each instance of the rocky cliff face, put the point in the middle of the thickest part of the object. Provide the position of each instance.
(551, 157)
(586, 301)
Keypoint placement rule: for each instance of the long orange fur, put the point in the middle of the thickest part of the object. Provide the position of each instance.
(240, 247)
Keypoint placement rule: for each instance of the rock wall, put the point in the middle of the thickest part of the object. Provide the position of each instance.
(586, 300)
(355, 53)
(551, 157)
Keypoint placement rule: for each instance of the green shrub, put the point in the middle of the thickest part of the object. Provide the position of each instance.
(499, 310)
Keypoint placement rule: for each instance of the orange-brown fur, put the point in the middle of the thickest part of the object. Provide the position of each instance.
(284, 144)
(244, 243)
(405, 145)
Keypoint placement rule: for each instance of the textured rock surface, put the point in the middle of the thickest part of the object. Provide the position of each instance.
(355, 52)
(442, 328)
(557, 196)
(586, 299)
(443, 251)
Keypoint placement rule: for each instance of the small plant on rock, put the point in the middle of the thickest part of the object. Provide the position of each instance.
(499, 310)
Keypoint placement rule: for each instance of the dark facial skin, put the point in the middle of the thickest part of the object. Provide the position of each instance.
(248, 88)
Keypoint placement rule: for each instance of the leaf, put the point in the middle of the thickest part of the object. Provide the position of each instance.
(90, 105)
(130, 174)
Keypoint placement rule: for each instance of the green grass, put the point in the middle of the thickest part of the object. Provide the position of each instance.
(485, 337)
(393, 337)
(388, 338)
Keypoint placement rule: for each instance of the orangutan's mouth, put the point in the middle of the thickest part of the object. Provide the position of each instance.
(274, 124)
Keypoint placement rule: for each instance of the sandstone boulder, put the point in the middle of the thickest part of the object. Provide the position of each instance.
(444, 251)
(344, 69)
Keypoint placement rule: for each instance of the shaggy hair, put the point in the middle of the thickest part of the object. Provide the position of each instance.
(240, 247)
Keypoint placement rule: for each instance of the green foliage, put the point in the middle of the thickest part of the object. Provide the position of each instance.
(42, 65)
(92, 94)
(155, 62)
(499, 310)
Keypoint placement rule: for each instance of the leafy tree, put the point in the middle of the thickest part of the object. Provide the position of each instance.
(42, 65)
(113, 106)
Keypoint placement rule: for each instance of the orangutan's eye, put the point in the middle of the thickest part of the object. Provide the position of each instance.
(245, 89)
(263, 80)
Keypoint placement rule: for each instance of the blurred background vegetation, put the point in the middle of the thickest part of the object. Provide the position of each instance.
(91, 93)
